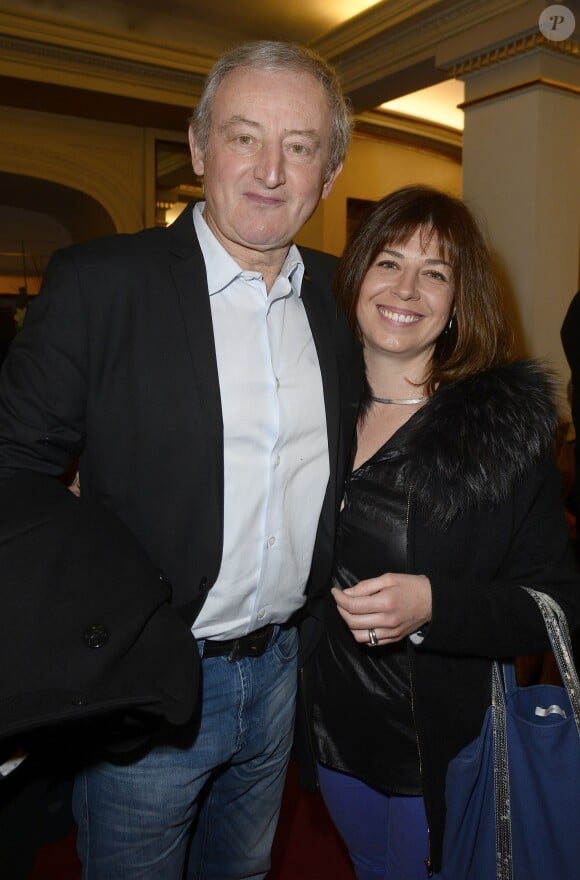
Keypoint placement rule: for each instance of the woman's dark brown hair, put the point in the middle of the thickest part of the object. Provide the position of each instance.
(479, 336)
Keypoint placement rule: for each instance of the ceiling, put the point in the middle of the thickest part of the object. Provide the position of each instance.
(208, 25)
(382, 49)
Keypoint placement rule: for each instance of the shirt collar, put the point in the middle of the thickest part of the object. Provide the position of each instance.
(222, 269)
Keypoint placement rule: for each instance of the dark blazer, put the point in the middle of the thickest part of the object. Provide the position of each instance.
(116, 365)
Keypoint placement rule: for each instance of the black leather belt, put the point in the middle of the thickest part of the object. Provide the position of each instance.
(251, 645)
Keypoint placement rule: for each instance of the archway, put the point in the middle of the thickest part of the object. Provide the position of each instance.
(36, 218)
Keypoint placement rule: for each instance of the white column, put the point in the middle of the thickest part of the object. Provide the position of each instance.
(521, 174)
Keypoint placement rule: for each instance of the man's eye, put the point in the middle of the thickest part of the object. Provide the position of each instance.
(244, 139)
(299, 149)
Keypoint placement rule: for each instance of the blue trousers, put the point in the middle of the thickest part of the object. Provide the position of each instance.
(386, 835)
(207, 809)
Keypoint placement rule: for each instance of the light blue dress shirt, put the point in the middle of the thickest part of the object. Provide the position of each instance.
(275, 442)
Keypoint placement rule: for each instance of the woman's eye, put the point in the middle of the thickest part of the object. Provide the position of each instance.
(437, 276)
(387, 264)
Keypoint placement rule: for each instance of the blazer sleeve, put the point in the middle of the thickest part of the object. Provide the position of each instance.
(43, 379)
(489, 615)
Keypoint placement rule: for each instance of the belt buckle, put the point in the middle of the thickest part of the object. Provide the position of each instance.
(235, 653)
(253, 647)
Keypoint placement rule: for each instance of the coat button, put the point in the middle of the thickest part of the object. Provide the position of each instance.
(165, 581)
(96, 636)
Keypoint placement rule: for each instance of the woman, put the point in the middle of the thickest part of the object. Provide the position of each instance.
(452, 503)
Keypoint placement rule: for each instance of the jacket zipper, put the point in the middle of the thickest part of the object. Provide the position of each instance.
(428, 861)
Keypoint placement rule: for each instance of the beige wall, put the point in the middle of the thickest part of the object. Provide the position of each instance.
(373, 168)
(115, 165)
(105, 161)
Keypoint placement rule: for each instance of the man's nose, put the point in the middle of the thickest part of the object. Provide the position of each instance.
(270, 166)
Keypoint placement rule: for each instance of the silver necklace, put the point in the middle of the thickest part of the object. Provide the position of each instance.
(403, 400)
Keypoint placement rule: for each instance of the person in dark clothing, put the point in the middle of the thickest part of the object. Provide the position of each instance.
(570, 336)
(452, 503)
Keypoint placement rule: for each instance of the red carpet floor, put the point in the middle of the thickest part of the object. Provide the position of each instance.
(306, 847)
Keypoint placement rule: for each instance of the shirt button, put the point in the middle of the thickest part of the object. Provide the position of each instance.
(271, 541)
(277, 461)
(261, 614)
(277, 382)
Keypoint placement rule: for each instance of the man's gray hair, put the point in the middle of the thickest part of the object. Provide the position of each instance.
(279, 56)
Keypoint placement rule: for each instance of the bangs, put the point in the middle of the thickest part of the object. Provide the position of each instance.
(447, 248)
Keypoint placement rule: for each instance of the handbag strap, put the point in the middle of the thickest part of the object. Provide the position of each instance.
(509, 677)
(559, 635)
(501, 778)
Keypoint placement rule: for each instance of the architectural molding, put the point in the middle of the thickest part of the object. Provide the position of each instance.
(42, 30)
(520, 45)
(396, 34)
(45, 62)
(417, 132)
(388, 120)
(69, 168)
(533, 83)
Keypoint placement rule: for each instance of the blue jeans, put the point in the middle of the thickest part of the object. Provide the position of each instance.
(207, 809)
(386, 835)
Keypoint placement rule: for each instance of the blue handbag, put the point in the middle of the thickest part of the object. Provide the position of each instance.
(513, 794)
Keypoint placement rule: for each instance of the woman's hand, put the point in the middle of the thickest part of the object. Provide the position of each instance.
(393, 605)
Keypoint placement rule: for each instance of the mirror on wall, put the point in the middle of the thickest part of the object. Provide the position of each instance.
(176, 184)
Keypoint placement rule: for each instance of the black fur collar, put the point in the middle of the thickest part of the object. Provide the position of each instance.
(475, 438)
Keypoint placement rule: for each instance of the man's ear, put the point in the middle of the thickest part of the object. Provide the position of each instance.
(197, 159)
(330, 180)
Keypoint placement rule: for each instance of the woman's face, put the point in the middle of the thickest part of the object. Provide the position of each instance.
(406, 299)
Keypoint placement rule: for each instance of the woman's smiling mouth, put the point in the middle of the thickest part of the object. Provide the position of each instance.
(399, 317)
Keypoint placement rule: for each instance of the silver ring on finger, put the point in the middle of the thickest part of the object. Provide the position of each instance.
(373, 640)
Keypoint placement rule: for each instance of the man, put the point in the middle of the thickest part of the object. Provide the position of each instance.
(205, 380)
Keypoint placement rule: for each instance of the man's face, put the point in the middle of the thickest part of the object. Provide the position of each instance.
(265, 163)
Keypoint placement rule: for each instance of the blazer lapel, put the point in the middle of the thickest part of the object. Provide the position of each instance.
(323, 340)
(341, 369)
(189, 276)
